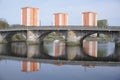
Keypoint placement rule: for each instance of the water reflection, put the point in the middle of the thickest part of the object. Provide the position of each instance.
(4, 49)
(106, 49)
(91, 48)
(10, 70)
(19, 49)
(99, 49)
(60, 51)
(57, 50)
(73, 52)
(23, 50)
(30, 66)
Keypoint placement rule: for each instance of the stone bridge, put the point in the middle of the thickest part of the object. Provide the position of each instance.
(33, 33)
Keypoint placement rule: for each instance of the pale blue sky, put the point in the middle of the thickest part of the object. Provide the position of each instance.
(105, 9)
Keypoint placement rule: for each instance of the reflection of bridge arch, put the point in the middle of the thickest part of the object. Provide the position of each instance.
(83, 56)
(68, 53)
(112, 57)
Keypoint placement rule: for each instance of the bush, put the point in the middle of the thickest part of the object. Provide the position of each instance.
(3, 24)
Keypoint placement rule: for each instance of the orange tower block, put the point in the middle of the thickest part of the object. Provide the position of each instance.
(60, 19)
(89, 19)
(30, 16)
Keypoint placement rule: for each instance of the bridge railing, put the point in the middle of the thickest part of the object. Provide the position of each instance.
(12, 28)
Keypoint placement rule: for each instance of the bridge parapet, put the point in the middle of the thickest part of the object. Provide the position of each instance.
(83, 28)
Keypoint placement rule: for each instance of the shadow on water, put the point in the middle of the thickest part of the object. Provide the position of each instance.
(57, 50)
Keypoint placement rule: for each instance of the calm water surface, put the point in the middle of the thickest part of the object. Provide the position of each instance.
(28, 70)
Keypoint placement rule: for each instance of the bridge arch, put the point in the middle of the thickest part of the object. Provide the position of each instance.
(46, 33)
(9, 36)
(91, 33)
(85, 36)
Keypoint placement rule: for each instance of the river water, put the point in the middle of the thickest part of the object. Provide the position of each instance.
(12, 69)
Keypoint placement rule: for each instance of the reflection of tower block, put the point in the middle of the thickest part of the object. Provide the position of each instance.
(91, 48)
(58, 48)
(28, 66)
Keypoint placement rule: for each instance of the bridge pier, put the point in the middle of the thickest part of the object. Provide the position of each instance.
(66, 35)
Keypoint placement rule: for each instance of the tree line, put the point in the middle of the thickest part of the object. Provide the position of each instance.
(3, 23)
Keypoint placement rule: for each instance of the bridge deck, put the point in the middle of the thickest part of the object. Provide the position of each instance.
(85, 28)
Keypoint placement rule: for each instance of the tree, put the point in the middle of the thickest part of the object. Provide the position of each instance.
(3, 23)
(102, 23)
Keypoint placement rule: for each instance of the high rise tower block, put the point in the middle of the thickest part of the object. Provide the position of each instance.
(30, 16)
(60, 19)
(89, 19)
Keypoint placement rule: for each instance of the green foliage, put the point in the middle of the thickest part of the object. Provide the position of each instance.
(46, 50)
(3, 24)
(18, 37)
(102, 23)
(53, 36)
(101, 53)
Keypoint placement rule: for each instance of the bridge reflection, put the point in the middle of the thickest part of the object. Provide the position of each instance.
(20, 49)
(59, 51)
(91, 48)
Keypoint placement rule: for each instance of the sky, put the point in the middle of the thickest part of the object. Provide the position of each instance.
(10, 10)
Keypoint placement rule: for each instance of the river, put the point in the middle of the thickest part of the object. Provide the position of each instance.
(55, 61)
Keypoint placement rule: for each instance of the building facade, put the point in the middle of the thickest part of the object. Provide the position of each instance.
(60, 19)
(30, 16)
(89, 19)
